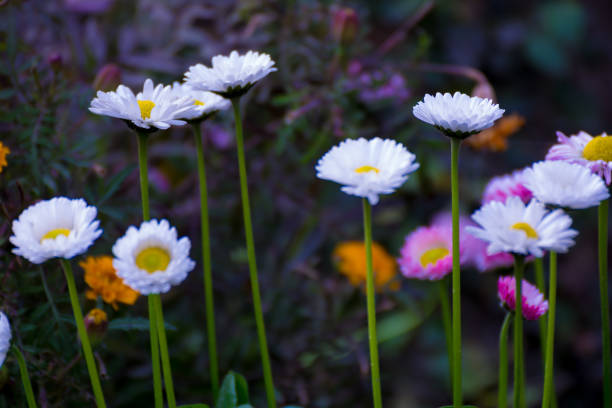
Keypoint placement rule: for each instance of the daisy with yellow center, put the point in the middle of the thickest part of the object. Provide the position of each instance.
(205, 103)
(350, 260)
(102, 279)
(4, 151)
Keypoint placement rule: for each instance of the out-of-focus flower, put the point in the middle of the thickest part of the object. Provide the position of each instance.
(96, 323)
(59, 227)
(377, 85)
(108, 78)
(522, 229)
(206, 103)
(594, 152)
(457, 115)
(5, 337)
(350, 258)
(55, 61)
(367, 168)
(484, 90)
(88, 6)
(151, 259)
(344, 25)
(533, 304)
(230, 76)
(500, 188)
(4, 151)
(496, 137)
(101, 277)
(565, 184)
(153, 107)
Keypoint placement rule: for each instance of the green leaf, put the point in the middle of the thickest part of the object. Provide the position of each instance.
(115, 182)
(134, 323)
(193, 406)
(234, 392)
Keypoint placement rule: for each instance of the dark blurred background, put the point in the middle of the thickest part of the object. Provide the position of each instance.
(345, 69)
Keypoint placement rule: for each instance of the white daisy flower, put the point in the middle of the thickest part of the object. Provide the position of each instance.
(5, 337)
(565, 184)
(57, 228)
(457, 115)
(151, 259)
(522, 229)
(153, 108)
(367, 168)
(206, 103)
(230, 76)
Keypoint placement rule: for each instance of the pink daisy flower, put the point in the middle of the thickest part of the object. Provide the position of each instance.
(501, 187)
(533, 304)
(594, 152)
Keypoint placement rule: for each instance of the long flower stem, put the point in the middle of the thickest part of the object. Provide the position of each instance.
(446, 321)
(502, 390)
(208, 284)
(605, 306)
(144, 196)
(248, 232)
(456, 276)
(163, 347)
(78, 317)
(549, 385)
(538, 264)
(519, 390)
(371, 302)
(25, 378)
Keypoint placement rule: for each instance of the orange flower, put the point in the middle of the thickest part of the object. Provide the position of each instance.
(496, 137)
(350, 258)
(102, 278)
(4, 151)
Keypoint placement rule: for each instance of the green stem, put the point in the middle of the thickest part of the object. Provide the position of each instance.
(456, 275)
(605, 306)
(538, 264)
(78, 317)
(519, 396)
(371, 302)
(248, 232)
(144, 195)
(25, 378)
(163, 347)
(549, 384)
(502, 391)
(446, 321)
(208, 283)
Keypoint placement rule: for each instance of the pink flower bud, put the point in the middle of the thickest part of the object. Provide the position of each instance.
(344, 25)
(108, 78)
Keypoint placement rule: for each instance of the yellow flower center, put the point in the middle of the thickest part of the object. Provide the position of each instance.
(199, 103)
(433, 255)
(145, 108)
(600, 148)
(54, 233)
(153, 259)
(366, 169)
(526, 228)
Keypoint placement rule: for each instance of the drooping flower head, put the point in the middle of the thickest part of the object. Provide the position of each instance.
(151, 259)
(533, 304)
(206, 103)
(4, 151)
(5, 337)
(522, 229)
(230, 75)
(457, 115)
(102, 279)
(350, 259)
(153, 108)
(367, 168)
(565, 184)
(509, 185)
(594, 152)
(57, 228)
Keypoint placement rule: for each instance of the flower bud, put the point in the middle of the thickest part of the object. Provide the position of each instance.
(108, 78)
(55, 60)
(344, 25)
(96, 323)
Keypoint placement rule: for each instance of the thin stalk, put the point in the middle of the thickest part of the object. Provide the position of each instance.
(502, 390)
(248, 232)
(371, 303)
(144, 196)
(456, 275)
(519, 390)
(538, 264)
(25, 378)
(605, 306)
(549, 384)
(78, 317)
(207, 268)
(446, 321)
(163, 347)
